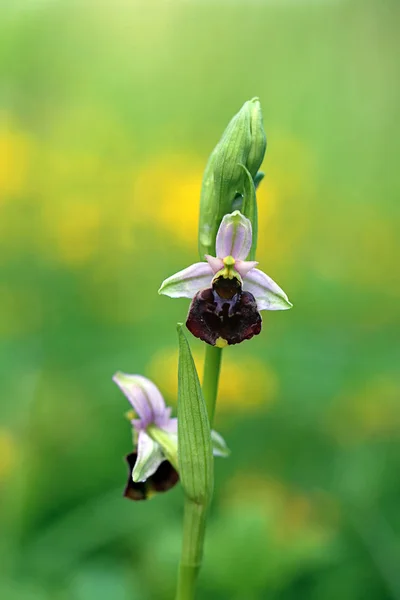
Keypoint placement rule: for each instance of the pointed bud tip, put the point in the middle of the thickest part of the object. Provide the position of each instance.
(253, 102)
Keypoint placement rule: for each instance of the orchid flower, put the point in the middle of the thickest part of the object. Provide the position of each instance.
(153, 466)
(227, 291)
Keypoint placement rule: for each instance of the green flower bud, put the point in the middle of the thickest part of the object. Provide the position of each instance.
(249, 209)
(225, 181)
(258, 138)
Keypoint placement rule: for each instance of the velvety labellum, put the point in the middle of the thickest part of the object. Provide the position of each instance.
(224, 313)
(161, 481)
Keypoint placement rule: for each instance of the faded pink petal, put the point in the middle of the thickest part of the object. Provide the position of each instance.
(144, 396)
(215, 263)
(244, 266)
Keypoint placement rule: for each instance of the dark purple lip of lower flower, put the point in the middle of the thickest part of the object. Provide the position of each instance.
(161, 481)
(224, 312)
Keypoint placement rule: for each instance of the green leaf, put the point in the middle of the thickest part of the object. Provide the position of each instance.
(195, 456)
(249, 209)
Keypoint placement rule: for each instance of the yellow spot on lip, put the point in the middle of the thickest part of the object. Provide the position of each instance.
(220, 342)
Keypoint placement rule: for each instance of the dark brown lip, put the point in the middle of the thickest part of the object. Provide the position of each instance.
(212, 317)
(161, 481)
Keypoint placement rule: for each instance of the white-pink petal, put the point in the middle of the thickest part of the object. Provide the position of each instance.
(186, 283)
(268, 294)
(234, 236)
(244, 266)
(216, 264)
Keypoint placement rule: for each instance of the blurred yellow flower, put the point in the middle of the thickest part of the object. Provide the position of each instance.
(15, 147)
(246, 382)
(72, 227)
(166, 195)
(283, 221)
(370, 411)
(290, 515)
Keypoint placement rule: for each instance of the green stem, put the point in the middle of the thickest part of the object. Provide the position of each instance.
(194, 527)
(212, 366)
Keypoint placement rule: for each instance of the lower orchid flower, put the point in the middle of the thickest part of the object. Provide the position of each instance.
(227, 291)
(153, 466)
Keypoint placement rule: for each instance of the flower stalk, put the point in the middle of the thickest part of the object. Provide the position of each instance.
(214, 286)
(194, 529)
(227, 293)
(212, 368)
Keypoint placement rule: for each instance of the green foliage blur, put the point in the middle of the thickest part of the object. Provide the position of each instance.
(108, 113)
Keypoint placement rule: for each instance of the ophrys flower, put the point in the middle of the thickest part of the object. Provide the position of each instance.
(227, 291)
(153, 465)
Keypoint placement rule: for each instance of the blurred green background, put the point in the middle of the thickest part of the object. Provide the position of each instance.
(109, 111)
